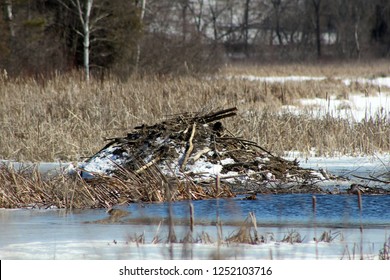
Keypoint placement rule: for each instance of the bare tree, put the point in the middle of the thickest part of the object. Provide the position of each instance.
(197, 12)
(277, 10)
(141, 18)
(8, 15)
(100, 35)
(85, 21)
(246, 27)
(84, 14)
(184, 4)
(317, 10)
(215, 12)
(228, 19)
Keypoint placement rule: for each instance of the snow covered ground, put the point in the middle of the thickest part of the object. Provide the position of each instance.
(346, 166)
(357, 106)
(279, 79)
(379, 81)
(373, 241)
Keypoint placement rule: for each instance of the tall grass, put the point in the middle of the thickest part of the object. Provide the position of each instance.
(329, 136)
(65, 119)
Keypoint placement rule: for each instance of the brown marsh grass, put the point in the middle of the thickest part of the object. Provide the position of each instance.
(30, 189)
(63, 118)
(329, 136)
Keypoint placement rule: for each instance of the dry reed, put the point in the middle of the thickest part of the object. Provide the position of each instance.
(384, 253)
(247, 233)
(65, 119)
(29, 189)
(329, 136)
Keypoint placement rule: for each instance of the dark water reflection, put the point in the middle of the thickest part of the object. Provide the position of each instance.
(287, 209)
(278, 211)
(270, 210)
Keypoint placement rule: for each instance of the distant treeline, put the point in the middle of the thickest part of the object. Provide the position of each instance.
(42, 37)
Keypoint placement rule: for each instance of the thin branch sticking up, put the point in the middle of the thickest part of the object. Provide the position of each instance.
(189, 149)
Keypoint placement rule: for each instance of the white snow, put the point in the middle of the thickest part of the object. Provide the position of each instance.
(380, 81)
(227, 161)
(347, 167)
(357, 107)
(346, 245)
(205, 167)
(269, 176)
(278, 79)
(108, 161)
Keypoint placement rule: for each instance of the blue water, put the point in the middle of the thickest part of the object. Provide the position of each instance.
(280, 211)
(286, 209)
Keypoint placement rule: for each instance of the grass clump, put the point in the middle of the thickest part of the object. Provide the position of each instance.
(26, 189)
(29, 189)
(384, 253)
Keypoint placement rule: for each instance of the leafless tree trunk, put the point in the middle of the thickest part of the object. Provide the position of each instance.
(276, 4)
(197, 15)
(214, 16)
(184, 11)
(8, 14)
(141, 16)
(317, 10)
(84, 16)
(246, 27)
(357, 43)
(85, 19)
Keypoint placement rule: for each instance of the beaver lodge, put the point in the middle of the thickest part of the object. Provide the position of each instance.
(193, 156)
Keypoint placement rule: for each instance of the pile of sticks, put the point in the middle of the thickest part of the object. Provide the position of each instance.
(164, 154)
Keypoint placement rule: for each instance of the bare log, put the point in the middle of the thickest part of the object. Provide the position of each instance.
(199, 154)
(189, 149)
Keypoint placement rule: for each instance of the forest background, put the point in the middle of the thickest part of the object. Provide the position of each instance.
(45, 37)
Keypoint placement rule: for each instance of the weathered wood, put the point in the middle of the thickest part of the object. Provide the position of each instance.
(146, 166)
(190, 147)
(199, 154)
(247, 142)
